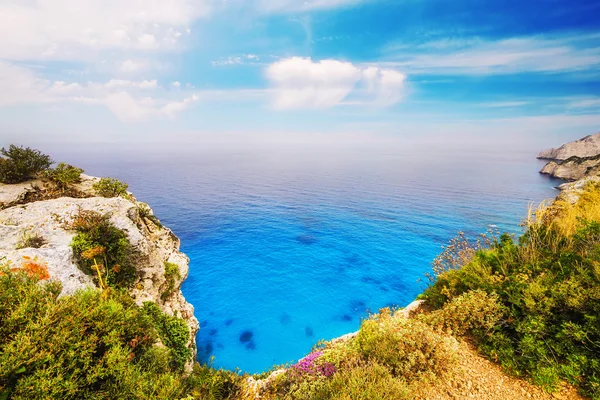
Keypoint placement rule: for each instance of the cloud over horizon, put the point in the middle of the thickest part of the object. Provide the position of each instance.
(302, 83)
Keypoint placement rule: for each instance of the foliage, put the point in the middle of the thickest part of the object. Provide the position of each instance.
(172, 274)
(548, 286)
(460, 251)
(208, 383)
(173, 332)
(388, 356)
(364, 381)
(30, 239)
(20, 164)
(64, 175)
(409, 348)
(475, 312)
(110, 187)
(85, 346)
(100, 247)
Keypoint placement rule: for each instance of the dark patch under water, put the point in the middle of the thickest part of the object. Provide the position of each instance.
(308, 331)
(285, 318)
(306, 239)
(246, 336)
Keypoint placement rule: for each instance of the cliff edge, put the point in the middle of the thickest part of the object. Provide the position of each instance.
(26, 210)
(574, 160)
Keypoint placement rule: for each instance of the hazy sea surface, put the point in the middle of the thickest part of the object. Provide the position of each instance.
(287, 249)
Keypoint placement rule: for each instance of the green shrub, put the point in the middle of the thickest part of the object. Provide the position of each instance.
(64, 175)
(110, 187)
(208, 383)
(173, 332)
(30, 239)
(369, 381)
(474, 312)
(20, 164)
(85, 346)
(409, 348)
(102, 250)
(548, 287)
(171, 276)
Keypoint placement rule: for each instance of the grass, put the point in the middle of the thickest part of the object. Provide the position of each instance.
(30, 239)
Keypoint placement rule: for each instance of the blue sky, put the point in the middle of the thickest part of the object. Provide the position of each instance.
(313, 71)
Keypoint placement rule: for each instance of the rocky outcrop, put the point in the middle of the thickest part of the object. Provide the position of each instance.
(573, 169)
(152, 244)
(575, 160)
(589, 146)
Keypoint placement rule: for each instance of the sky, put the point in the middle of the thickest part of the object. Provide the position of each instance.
(307, 72)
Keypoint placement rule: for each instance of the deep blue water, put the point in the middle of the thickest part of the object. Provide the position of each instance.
(289, 249)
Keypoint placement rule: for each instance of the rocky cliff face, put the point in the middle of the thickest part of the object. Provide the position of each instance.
(575, 160)
(153, 245)
(589, 146)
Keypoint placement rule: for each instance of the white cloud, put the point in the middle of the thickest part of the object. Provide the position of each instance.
(301, 83)
(386, 85)
(130, 101)
(280, 6)
(593, 102)
(508, 56)
(132, 65)
(172, 108)
(75, 29)
(227, 61)
(121, 83)
(176, 84)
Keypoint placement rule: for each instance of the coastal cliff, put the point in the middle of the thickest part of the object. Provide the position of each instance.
(574, 160)
(154, 246)
(71, 328)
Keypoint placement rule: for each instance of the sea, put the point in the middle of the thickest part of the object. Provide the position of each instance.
(288, 248)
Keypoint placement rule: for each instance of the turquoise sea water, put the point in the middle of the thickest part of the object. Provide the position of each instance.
(289, 249)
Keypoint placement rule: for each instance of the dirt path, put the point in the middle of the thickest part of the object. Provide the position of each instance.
(474, 377)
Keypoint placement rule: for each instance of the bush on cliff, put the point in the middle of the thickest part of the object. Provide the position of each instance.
(101, 249)
(110, 187)
(548, 284)
(19, 164)
(82, 346)
(64, 175)
(387, 360)
(94, 345)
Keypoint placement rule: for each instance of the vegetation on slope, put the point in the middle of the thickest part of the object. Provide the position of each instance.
(548, 283)
(93, 345)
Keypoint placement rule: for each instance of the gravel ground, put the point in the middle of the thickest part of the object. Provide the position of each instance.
(474, 377)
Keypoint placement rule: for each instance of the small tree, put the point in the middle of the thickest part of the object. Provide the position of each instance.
(20, 164)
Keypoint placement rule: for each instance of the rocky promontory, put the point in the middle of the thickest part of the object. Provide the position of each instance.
(574, 160)
(26, 210)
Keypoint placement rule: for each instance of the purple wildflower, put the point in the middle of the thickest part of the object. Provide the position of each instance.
(307, 366)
